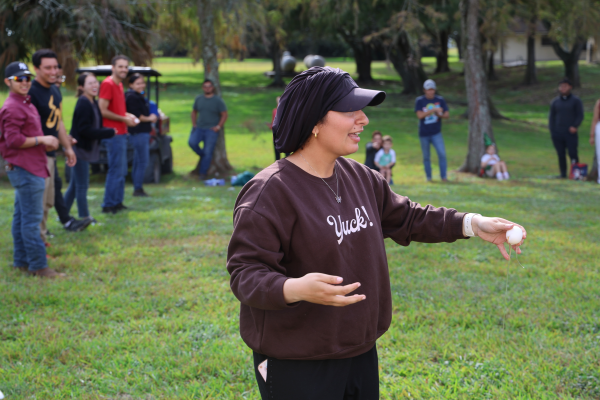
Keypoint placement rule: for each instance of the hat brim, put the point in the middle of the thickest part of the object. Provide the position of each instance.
(21, 73)
(358, 99)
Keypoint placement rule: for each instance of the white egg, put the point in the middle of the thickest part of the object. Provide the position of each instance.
(137, 121)
(514, 235)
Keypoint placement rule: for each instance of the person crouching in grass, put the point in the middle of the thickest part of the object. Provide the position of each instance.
(385, 159)
(492, 165)
(23, 147)
(307, 256)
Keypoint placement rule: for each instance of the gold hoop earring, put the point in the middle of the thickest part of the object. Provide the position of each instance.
(315, 134)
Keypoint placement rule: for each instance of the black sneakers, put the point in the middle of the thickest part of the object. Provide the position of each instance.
(114, 209)
(77, 225)
(140, 193)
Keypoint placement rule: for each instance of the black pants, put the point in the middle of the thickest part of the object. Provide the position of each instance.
(59, 201)
(355, 378)
(566, 142)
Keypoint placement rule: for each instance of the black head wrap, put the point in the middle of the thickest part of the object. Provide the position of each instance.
(305, 101)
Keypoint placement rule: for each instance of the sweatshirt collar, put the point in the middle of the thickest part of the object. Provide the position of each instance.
(566, 97)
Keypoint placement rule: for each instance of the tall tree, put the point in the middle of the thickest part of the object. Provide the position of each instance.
(480, 122)
(401, 40)
(351, 20)
(496, 16)
(570, 23)
(439, 21)
(76, 30)
(208, 12)
(529, 11)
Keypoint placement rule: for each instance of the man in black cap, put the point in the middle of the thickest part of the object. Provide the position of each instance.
(23, 146)
(566, 114)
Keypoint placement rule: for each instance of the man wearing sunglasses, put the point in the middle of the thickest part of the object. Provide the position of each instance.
(23, 146)
(46, 97)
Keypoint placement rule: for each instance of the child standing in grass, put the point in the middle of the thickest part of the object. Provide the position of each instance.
(385, 159)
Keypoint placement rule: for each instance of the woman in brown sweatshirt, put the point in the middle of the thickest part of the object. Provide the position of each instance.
(307, 256)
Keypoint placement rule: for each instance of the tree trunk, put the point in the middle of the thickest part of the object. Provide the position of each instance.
(571, 60)
(530, 71)
(408, 65)
(480, 122)
(491, 74)
(2, 163)
(459, 45)
(363, 55)
(220, 165)
(442, 56)
(276, 56)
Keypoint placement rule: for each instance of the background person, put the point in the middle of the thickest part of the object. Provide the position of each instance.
(371, 148)
(492, 164)
(47, 99)
(431, 109)
(316, 220)
(139, 135)
(595, 132)
(385, 159)
(566, 114)
(208, 117)
(87, 129)
(114, 115)
(23, 146)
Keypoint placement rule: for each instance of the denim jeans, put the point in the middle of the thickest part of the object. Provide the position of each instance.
(438, 143)
(209, 137)
(114, 188)
(141, 157)
(78, 187)
(29, 249)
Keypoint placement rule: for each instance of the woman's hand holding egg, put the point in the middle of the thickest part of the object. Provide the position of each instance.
(499, 231)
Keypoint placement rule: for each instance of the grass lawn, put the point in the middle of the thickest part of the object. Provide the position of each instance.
(147, 313)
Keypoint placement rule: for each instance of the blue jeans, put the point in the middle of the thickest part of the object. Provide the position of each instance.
(78, 187)
(209, 137)
(29, 249)
(438, 143)
(141, 157)
(114, 188)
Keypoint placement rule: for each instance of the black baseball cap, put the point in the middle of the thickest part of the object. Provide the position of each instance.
(358, 99)
(16, 68)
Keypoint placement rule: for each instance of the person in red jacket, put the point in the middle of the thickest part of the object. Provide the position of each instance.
(307, 256)
(23, 147)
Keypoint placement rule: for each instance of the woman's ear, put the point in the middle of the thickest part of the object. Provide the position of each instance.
(315, 130)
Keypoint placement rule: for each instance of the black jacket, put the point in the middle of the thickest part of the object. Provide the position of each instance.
(137, 105)
(83, 127)
(565, 113)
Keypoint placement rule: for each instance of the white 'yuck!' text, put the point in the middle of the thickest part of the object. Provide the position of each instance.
(349, 226)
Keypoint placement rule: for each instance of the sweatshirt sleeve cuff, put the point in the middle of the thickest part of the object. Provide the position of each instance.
(276, 293)
(457, 225)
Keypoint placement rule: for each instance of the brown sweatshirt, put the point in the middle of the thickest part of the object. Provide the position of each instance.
(287, 224)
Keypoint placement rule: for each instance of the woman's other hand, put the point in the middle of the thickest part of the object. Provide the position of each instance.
(320, 289)
(494, 230)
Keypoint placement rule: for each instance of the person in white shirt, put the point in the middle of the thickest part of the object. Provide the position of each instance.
(385, 159)
(492, 165)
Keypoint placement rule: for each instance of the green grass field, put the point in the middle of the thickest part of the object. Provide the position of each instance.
(147, 313)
